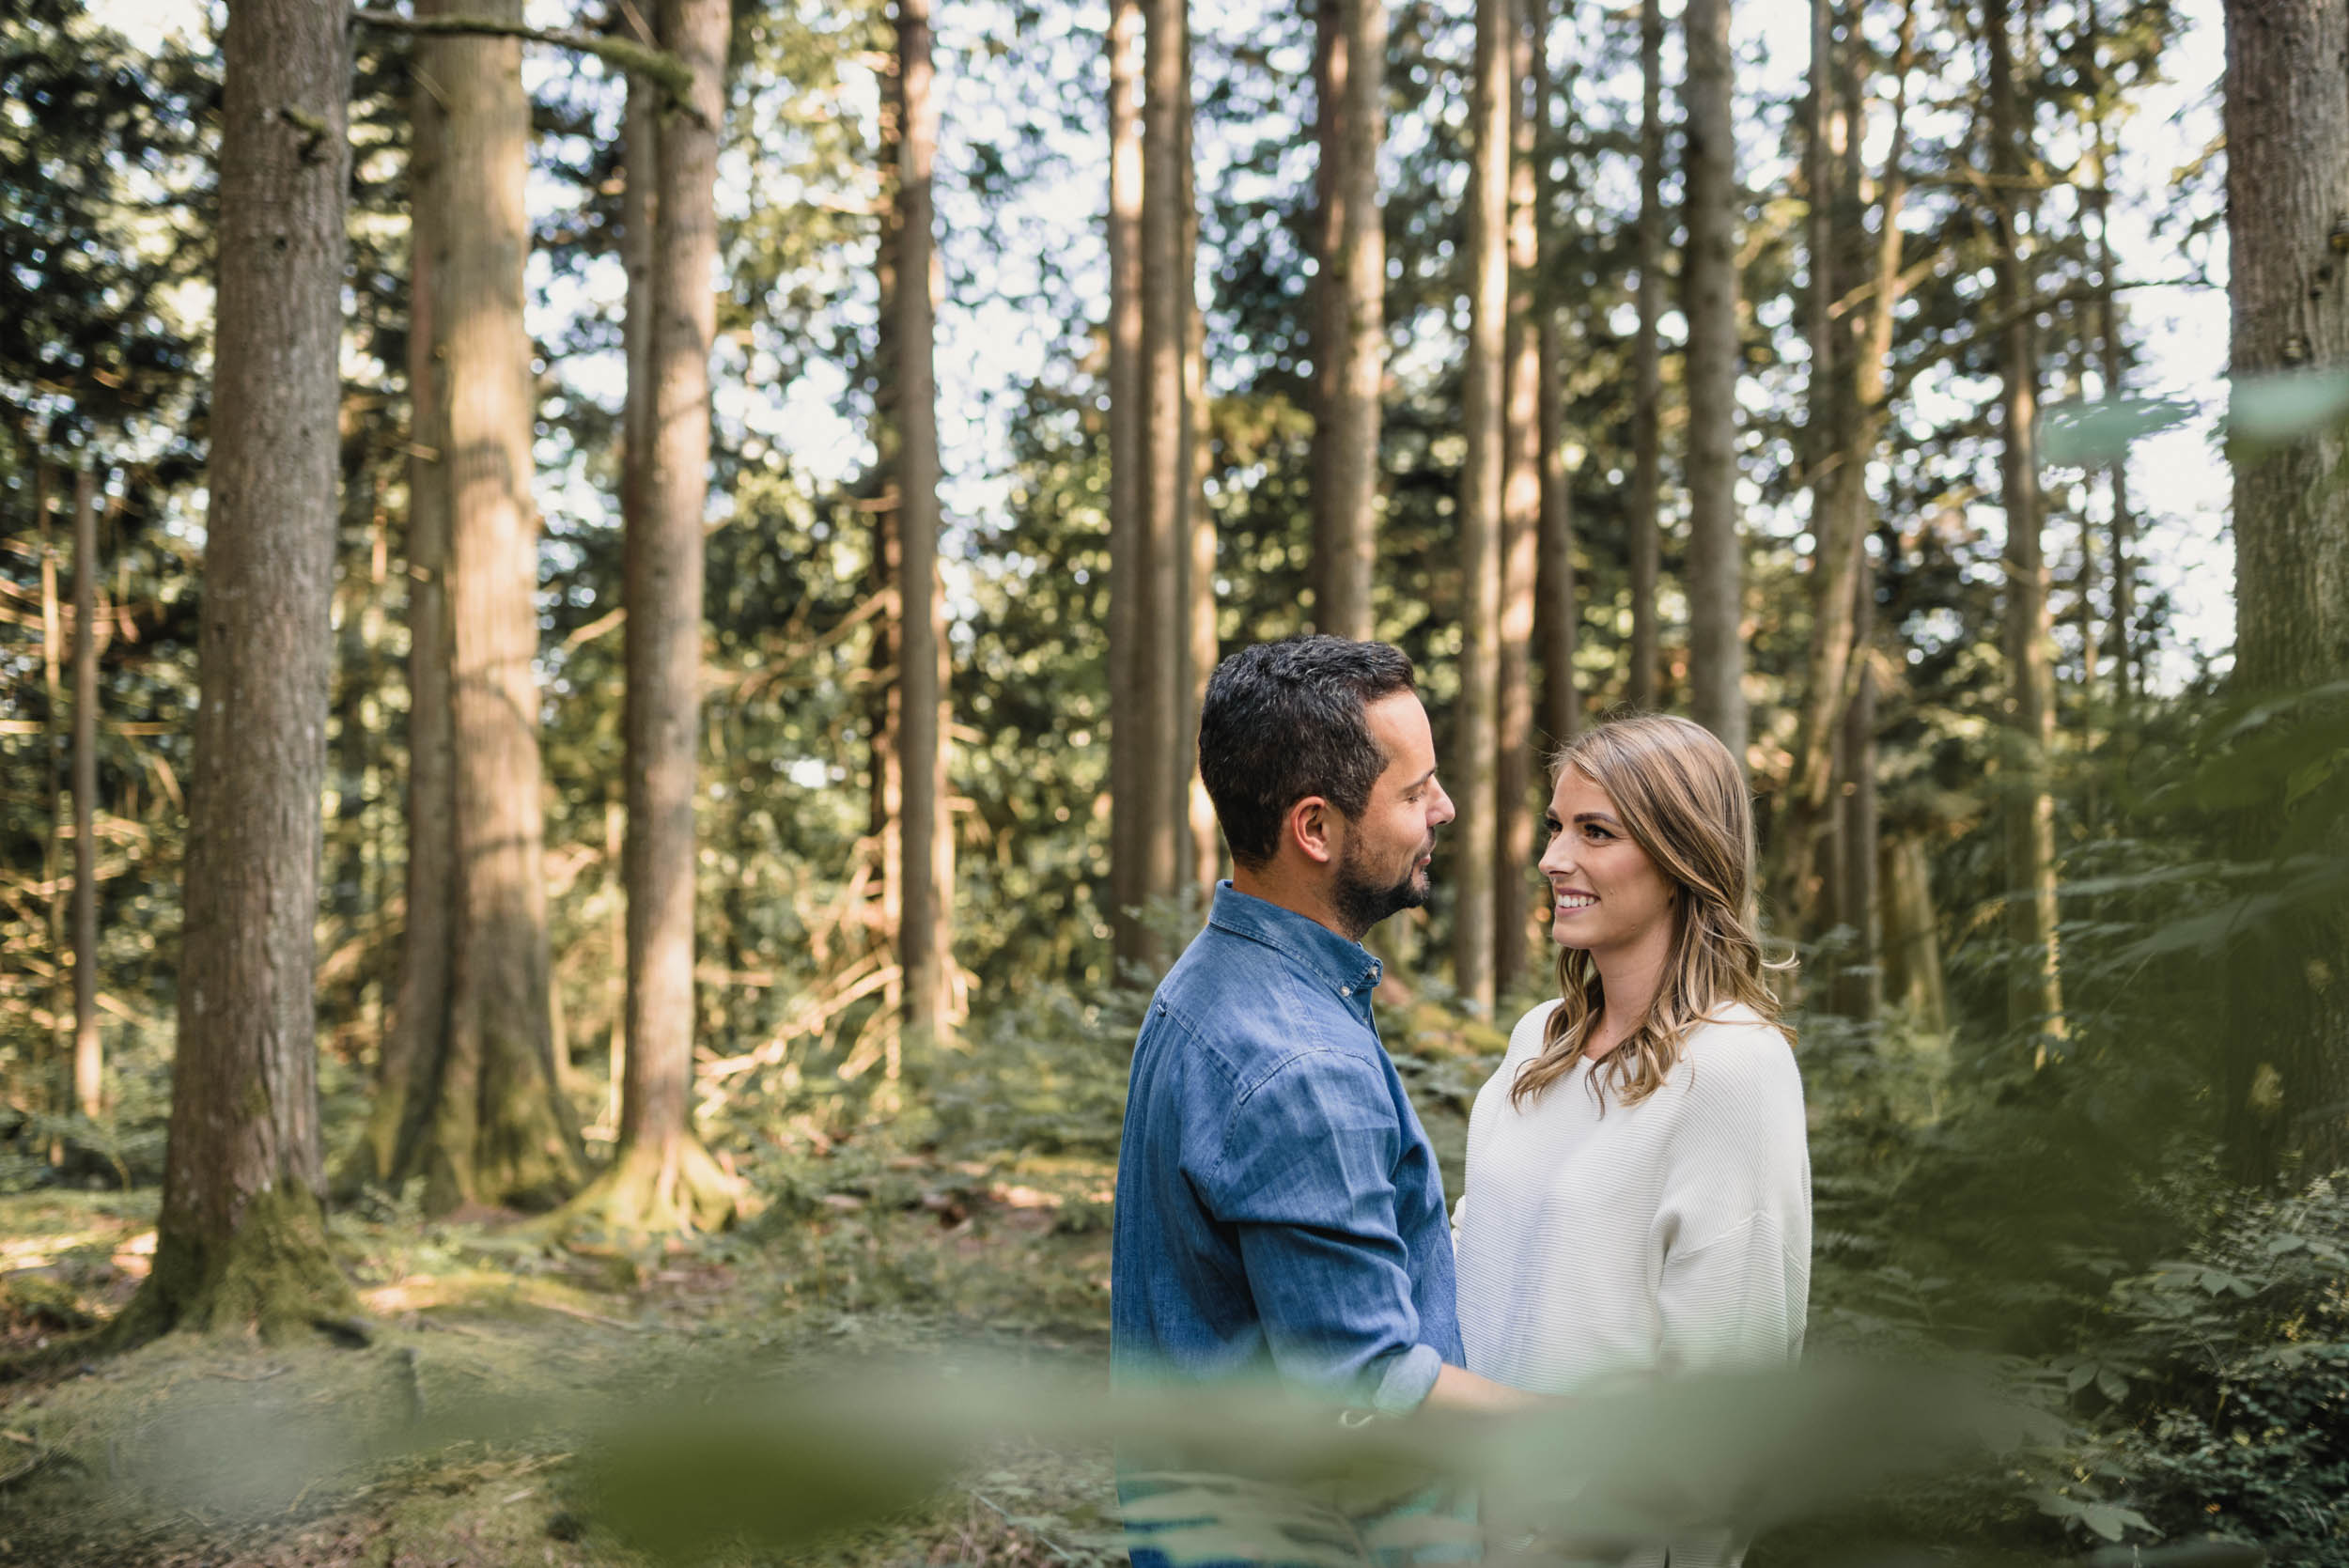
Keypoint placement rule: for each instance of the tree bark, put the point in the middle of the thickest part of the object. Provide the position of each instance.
(1709, 291)
(1556, 610)
(241, 1243)
(54, 788)
(1520, 516)
(1483, 417)
(661, 1177)
(1162, 612)
(497, 1131)
(2287, 115)
(924, 937)
(89, 1063)
(1914, 983)
(1127, 569)
(1203, 841)
(2034, 987)
(420, 1004)
(1349, 349)
(1646, 522)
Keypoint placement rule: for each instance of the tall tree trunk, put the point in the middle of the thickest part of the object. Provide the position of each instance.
(420, 1004)
(1349, 350)
(1520, 516)
(240, 1241)
(924, 937)
(2287, 1081)
(1202, 845)
(2034, 988)
(1483, 416)
(1837, 513)
(1859, 981)
(1646, 521)
(661, 1177)
(89, 1059)
(885, 570)
(1162, 619)
(640, 250)
(497, 1132)
(53, 797)
(1709, 282)
(1127, 571)
(1557, 611)
(2113, 353)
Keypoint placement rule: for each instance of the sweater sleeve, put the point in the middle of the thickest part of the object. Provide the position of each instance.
(1735, 1224)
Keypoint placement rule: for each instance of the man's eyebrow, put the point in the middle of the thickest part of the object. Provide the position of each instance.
(1417, 782)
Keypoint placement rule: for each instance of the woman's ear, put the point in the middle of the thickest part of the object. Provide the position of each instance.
(1312, 825)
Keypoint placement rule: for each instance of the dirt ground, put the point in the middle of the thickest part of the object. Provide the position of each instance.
(450, 1436)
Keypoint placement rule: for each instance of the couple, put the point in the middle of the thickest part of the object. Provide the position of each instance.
(1637, 1190)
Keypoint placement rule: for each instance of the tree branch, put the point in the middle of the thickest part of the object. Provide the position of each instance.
(665, 70)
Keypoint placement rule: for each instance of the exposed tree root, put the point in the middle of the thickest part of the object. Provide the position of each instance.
(652, 1192)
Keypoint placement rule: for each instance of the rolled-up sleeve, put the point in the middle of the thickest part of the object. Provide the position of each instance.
(1305, 1177)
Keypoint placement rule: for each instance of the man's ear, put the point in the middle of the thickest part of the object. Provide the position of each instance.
(1312, 825)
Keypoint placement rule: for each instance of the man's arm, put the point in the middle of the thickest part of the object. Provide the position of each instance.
(1459, 1389)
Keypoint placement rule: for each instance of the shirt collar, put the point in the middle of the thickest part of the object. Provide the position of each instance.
(1348, 967)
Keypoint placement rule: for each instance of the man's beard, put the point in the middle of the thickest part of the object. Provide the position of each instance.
(1363, 901)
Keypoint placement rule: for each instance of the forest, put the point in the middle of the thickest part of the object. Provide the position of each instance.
(603, 605)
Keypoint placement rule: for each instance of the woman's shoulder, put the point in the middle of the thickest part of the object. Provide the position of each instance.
(1527, 1036)
(1737, 1044)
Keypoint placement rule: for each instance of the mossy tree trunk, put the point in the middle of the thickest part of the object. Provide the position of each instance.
(241, 1240)
(496, 1130)
(2287, 115)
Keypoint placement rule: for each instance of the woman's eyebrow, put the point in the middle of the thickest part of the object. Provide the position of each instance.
(1583, 816)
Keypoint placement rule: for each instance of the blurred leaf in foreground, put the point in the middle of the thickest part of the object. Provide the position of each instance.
(2091, 434)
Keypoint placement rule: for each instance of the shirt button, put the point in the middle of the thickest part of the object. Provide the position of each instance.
(1345, 991)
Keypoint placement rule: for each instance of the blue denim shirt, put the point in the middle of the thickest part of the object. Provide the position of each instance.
(1279, 1208)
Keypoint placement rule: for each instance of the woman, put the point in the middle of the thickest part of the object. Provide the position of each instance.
(1639, 1189)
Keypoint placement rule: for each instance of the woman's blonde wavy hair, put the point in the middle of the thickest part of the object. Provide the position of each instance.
(1680, 796)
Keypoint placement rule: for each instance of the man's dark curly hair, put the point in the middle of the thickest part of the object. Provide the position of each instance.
(1284, 721)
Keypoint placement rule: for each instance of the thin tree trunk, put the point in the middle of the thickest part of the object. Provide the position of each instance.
(1520, 519)
(1352, 283)
(1912, 938)
(640, 231)
(1127, 554)
(1709, 292)
(89, 1058)
(925, 934)
(1556, 610)
(1646, 521)
(2115, 354)
(1859, 981)
(1203, 841)
(498, 1131)
(2034, 988)
(885, 568)
(1324, 303)
(2287, 1077)
(1837, 514)
(1482, 416)
(420, 1006)
(1162, 618)
(53, 848)
(661, 1177)
(240, 1242)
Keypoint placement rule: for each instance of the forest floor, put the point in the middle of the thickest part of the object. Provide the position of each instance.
(190, 1451)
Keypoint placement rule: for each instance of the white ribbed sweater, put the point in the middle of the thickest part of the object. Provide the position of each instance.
(1667, 1237)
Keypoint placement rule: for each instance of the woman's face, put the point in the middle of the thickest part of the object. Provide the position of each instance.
(1606, 893)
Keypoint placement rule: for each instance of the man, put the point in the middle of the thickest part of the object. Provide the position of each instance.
(1279, 1208)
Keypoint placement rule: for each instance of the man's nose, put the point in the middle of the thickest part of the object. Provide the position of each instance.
(1444, 810)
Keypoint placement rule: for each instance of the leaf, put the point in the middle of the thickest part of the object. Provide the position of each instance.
(2091, 434)
(2111, 1385)
(2081, 1376)
(2272, 410)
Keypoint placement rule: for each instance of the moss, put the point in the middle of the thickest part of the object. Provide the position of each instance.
(273, 1276)
(648, 1191)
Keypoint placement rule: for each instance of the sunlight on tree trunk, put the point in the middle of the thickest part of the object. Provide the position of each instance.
(89, 1065)
(1520, 518)
(241, 1244)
